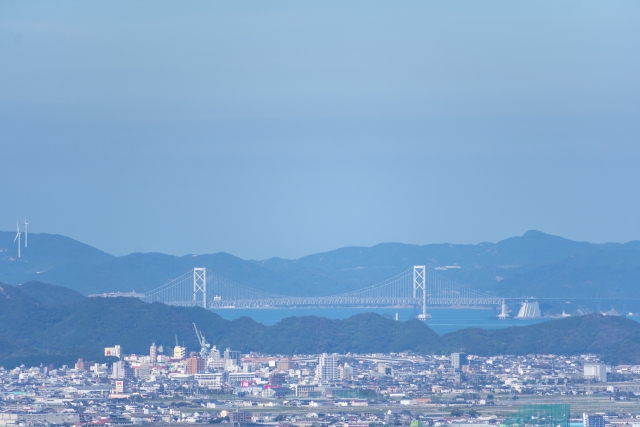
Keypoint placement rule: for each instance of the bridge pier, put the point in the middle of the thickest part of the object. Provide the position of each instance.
(504, 311)
(200, 285)
(420, 289)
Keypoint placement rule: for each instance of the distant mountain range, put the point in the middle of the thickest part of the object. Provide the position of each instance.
(49, 324)
(535, 264)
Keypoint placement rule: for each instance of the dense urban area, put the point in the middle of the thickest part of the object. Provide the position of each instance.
(211, 386)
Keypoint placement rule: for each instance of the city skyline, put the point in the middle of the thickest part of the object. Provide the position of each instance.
(330, 390)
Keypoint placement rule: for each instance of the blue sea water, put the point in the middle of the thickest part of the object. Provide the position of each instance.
(442, 320)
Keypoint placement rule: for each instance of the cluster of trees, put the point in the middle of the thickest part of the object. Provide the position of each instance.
(460, 412)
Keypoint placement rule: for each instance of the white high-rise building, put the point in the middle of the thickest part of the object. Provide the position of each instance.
(327, 369)
(232, 360)
(119, 370)
(215, 360)
(153, 353)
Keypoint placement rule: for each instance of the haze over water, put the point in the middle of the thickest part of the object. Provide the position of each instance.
(442, 320)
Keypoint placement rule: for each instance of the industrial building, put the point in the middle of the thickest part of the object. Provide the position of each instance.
(596, 371)
(592, 420)
(529, 310)
(285, 365)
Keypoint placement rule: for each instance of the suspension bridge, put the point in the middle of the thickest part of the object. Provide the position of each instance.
(417, 286)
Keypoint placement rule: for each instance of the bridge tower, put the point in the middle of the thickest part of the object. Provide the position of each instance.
(200, 285)
(420, 289)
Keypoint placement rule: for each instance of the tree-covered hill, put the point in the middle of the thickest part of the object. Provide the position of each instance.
(47, 294)
(36, 332)
(616, 338)
(57, 330)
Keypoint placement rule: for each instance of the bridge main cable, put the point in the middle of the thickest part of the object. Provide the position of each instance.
(416, 286)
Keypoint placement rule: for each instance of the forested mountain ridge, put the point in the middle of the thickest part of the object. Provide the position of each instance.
(533, 264)
(60, 331)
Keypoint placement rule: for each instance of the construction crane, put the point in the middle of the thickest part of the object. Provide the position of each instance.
(204, 345)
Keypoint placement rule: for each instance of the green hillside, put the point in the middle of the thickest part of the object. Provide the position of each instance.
(53, 329)
(35, 332)
(616, 338)
(47, 294)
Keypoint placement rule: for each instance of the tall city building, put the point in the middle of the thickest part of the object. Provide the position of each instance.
(215, 360)
(153, 353)
(214, 354)
(458, 360)
(327, 369)
(195, 364)
(232, 360)
(179, 352)
(277, 379)
(121, 370)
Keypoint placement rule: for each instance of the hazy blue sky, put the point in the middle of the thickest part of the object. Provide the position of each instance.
(285, 128)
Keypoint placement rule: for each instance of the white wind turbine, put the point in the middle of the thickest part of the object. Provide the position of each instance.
(18, 237)
(26, 232)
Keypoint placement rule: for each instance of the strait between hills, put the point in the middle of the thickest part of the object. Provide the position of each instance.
(50, 324)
